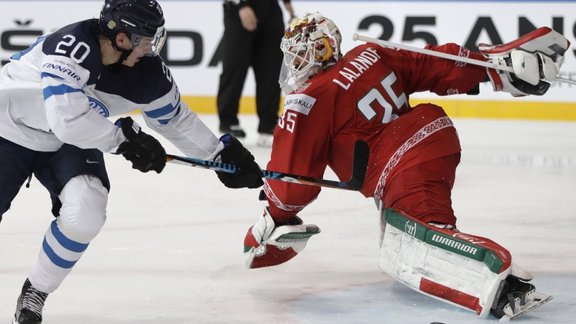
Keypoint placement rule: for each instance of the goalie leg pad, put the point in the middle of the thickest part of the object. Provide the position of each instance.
(457, 268)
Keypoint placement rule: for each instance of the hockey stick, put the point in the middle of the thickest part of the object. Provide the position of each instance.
(359, 165)
(487, 64)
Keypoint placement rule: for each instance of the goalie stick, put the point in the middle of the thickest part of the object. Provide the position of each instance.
(359, 165)
(487, 64)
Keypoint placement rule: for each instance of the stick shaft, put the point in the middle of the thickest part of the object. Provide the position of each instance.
(433, 53)
(267, 174)
(446, 56)
(359, 166)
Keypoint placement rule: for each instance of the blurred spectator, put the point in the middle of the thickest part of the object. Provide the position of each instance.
(252, 33)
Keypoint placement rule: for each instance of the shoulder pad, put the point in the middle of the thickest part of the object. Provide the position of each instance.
(79, 42)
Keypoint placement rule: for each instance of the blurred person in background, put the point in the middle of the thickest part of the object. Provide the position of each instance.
(252, 33)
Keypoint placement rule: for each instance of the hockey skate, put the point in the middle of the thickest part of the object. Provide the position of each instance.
(29, 306)
(515, 298)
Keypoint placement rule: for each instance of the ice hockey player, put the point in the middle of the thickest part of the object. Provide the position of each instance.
(54, 100)
(333, 100)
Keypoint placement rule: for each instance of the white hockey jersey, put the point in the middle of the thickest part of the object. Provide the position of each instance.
(57, 91)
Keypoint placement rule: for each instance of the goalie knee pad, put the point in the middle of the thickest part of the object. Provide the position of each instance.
(83, 213)
(443, 263)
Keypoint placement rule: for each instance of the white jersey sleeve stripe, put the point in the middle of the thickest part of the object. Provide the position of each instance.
(50, 75)
(59, 90)
(162, 111)
(166, 121)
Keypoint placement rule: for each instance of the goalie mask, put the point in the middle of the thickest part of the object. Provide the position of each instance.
(141, 20)
(310, 45)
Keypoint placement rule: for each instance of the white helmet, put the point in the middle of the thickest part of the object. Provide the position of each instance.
(310, 44)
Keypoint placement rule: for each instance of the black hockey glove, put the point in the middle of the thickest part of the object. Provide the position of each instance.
(143, 150)
(249, 175)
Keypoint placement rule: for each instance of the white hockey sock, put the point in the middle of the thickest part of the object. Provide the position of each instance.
(82, 215)
(56, 259)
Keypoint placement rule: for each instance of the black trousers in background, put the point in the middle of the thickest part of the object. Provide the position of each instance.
(260, 50)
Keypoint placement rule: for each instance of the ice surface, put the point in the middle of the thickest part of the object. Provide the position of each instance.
(171, 251)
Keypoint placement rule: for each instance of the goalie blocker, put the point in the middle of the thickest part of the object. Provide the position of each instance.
(467, 271)
(267, 244)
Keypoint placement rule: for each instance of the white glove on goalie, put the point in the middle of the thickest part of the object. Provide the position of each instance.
(535, 58)
(266, 245)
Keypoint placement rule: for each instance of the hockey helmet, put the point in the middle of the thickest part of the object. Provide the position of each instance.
(139, 19)
(310, 44)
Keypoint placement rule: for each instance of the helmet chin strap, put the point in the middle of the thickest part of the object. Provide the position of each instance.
(124, 52)
(124, 55)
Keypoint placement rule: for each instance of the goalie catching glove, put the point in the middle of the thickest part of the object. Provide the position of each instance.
(267, 245)
(535, 58)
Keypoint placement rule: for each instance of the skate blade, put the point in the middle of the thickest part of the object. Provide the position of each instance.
(539, 299)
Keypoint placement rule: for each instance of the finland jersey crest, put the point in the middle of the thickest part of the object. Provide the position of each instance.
(99, 106)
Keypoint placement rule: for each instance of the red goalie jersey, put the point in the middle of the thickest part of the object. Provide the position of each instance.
(365, 96)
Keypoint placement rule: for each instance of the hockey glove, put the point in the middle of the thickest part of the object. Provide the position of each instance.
(535, 58)
(143, 150)
(533, 73)
(249, 174)
(266, 245)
